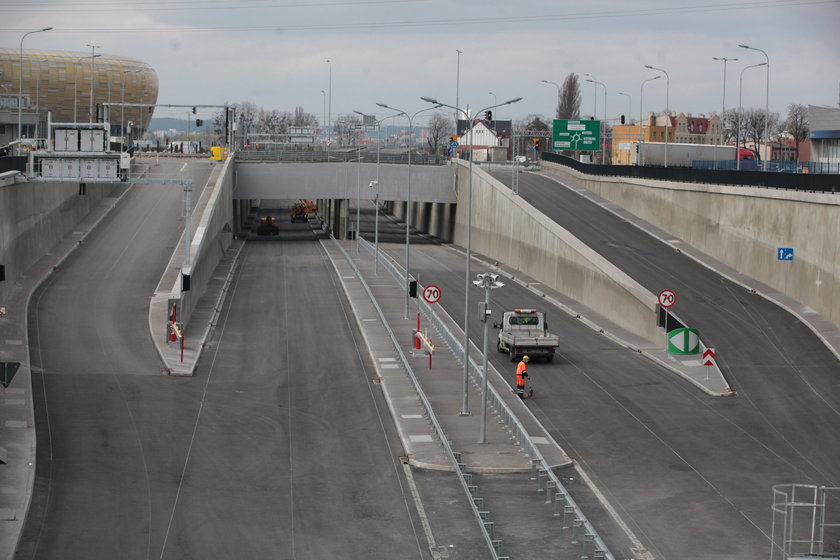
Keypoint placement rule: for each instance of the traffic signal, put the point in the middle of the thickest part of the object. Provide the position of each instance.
(193, 110)
(622, 119)
(199, 122)
(488, 115)
(412, 288)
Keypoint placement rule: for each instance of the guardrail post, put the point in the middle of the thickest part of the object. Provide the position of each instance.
(567, 510)
(587, 539)
(541, 475)
(577, 523)
(599, 554)
(559, 498)
(488, 526)
(549, 486)
(534, 464)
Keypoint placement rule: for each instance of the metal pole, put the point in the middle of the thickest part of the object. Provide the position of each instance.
(667, 107)
(465, 411)
(722, 110)
(329, 114)
(20, 80)
(483, 435)
(555, 84)
(457, 88)
(90, 109)
(641, 101)
(324, 94)
(740, 109)
(766, 97)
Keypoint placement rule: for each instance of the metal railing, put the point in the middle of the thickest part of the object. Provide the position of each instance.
(547, 482)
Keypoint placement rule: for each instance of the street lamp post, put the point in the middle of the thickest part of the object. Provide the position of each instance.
(766, 95)
(723, 106)
(324, 123)
(555, 84)
(465, 411)
(488, 281)
(90, 109)
(408, 196)
(329, 114)
(629, 102)
(740, 92)
(594, 94)
(20, 79)
(603, 141)
(641, 103)
(667, 106)
(457, 86)
(376, 182)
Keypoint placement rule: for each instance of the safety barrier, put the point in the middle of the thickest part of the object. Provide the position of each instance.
(547, 482)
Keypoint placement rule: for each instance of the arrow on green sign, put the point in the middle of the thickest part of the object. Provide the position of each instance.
(684, 341)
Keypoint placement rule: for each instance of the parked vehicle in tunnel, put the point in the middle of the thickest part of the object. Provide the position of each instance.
(268, 226)
(525, 332)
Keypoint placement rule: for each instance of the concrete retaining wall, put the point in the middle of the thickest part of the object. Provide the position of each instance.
(743, 227)
(508, 229)
(212, 225)
(34, 217)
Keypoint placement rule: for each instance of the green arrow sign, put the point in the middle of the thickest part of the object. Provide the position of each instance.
(684, 341)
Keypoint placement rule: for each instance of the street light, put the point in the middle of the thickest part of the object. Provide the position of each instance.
(740, 92)
(376, 182)
(641, 102)
(465, 411)
(629, 102)
(329, 114)
(495, 101)
(667, 106)
(20, 79)
(38, 93)
(594, 94)
(766, 93)
(603, 141)
(90, 109)
(555, 84)
(457, 86)
(723, 106)
(324, 123)
(408, 193)
(488, 281)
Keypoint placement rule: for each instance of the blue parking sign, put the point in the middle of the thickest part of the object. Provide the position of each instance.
(785, 254)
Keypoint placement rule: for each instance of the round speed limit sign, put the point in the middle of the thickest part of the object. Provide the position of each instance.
(431, 294)
(667, 298)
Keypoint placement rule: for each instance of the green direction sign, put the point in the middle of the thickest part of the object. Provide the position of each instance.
(576, 135)
(684, 341)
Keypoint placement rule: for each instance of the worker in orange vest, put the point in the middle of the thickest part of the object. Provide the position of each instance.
(521, 376)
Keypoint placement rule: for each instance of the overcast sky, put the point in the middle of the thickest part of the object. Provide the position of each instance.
(274, 52)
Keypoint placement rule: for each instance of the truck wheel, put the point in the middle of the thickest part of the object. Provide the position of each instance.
(500, 348)
(513, 354)
(549, 358)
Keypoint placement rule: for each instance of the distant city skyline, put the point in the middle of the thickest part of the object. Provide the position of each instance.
(274, 53)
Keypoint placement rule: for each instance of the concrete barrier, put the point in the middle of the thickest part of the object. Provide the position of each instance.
(510, 230)
(35, 216)
(742, 227)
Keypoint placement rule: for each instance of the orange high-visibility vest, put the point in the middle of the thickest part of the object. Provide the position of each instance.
(521, 372)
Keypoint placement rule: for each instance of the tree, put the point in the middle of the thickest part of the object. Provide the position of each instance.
(439, 129)
(796, 124)
(568, 106)
(347, 130)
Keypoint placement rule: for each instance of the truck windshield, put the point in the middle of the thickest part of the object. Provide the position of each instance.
(527, 320)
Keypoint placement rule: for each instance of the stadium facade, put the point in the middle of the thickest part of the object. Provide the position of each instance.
(73, 87)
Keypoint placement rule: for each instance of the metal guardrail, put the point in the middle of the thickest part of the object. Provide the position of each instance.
(563, 504)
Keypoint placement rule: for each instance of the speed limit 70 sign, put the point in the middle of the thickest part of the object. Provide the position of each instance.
(431, 294)
(667, 298)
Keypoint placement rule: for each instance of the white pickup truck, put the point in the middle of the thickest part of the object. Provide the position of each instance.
(525, 332)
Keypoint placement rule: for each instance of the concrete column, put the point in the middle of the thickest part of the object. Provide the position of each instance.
(436, 215)
(399, 210)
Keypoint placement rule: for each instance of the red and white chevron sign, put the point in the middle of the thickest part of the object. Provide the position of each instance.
(709, 357)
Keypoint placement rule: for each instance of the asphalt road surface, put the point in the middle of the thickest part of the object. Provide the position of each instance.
(279, 447)
(686, 472)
